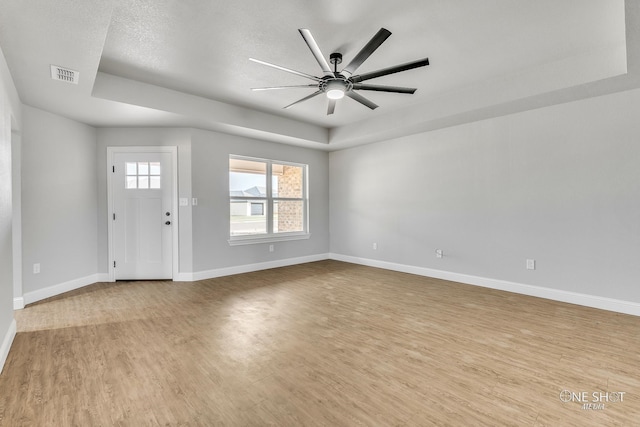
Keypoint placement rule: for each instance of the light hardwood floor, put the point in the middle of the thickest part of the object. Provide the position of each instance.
(325, 343)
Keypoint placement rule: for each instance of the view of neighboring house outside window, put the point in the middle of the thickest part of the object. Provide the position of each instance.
(268, 200)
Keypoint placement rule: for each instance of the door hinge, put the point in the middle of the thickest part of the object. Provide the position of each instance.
(113, 169)
(114, 264)
(114, 216)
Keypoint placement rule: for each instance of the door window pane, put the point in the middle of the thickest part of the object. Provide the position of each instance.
(154, 168)
(143, 181)
(143, 168)
(132, 182)
(143, 175)
(131, 169)
(154, 182)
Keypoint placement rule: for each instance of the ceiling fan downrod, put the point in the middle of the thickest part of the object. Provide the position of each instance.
(335, 58)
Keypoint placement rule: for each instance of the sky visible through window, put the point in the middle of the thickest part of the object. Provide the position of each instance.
(240, 181)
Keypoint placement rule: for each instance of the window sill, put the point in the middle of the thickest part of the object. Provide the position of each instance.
(253, 240)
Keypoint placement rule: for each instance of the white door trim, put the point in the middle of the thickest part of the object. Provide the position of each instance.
(173, 150)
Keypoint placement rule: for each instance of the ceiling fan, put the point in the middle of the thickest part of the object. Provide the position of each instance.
(337, 84)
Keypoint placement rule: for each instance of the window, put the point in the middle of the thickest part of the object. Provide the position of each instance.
(143, 175)
(267, 200)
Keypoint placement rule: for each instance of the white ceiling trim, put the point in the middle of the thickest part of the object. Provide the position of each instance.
(210, 114)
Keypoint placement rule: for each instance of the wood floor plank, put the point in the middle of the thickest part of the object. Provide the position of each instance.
(319, 344)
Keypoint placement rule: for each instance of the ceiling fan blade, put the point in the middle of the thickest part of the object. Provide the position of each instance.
(361, 99)
(332, 107)
(390, 70)
(394, 89)
(315, 50)
(288, 70)
(366, 51)
(303, 99)
(282, 87)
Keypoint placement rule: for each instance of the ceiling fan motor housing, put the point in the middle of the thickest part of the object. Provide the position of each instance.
(335, 87)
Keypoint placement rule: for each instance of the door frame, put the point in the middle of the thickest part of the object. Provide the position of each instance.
(173, 150)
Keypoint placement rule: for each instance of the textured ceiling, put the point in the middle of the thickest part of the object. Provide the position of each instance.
(187, 62)
(203, 47)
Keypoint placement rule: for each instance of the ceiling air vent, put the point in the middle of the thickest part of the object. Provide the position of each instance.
(64, 74)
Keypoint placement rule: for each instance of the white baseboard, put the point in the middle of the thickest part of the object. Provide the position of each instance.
(51, 291)
(6, 343)
(593, 301)
(604, 303)
(248, 268)
(183, 277)
(103, 277)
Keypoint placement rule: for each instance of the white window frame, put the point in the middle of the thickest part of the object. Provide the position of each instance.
(270, 236)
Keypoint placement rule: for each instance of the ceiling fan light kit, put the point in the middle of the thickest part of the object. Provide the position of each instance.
(336, 85)
(335, 89)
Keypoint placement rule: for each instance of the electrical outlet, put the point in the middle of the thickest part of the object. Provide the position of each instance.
(36, 268)
(375, 246)
(531, 264)
(439, 253)
(271, 248)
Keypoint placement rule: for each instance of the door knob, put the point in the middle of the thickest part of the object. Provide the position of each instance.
(167, 223)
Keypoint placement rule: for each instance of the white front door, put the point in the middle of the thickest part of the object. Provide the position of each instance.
(143, 217)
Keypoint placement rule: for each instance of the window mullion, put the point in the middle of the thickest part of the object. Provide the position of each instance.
(269, 199)
(305, 199)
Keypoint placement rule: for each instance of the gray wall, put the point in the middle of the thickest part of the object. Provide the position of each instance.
(203, 173)
(6, 256)
(210, 163)
(560, 185)
(10, 126)
(16, 199)
(59, 202)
